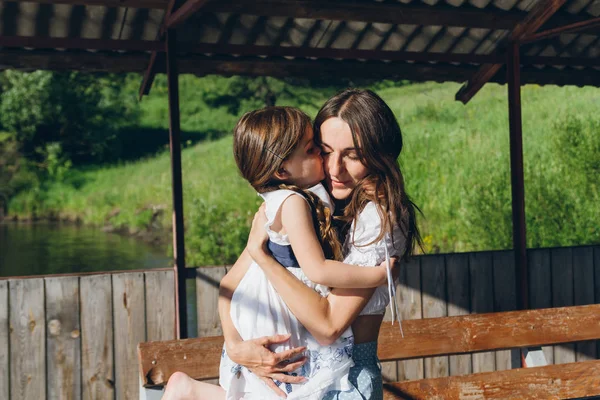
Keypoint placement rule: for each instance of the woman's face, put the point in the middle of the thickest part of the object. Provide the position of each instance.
(343, 169)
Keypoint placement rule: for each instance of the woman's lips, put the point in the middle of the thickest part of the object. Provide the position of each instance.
(335, 183)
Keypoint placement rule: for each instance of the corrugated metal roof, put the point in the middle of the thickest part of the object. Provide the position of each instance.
(440, 40)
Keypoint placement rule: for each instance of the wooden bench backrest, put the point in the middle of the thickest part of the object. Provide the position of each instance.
(200, 357)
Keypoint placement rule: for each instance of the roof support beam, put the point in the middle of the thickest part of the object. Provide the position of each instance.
(152, 4)
(571, 28)
(539, 14)
(382, 12)
(186, 10)
(179, 14)
(38, 42)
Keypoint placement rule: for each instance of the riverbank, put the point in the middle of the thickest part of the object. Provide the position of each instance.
(455, 161)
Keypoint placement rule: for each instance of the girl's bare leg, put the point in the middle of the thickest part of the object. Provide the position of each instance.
(182, 387)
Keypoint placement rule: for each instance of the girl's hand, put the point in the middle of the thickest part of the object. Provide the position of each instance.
(257, 239)
(260, 360)
(394, 266)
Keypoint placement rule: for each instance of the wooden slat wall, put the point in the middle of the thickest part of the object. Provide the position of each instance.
(80, 332)
(75, 337)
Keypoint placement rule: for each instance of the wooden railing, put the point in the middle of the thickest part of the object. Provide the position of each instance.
(75, 336)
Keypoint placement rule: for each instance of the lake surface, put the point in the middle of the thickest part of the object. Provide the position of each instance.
(46, 248)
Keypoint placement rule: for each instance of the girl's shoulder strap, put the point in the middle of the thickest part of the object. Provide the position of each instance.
(274, 200)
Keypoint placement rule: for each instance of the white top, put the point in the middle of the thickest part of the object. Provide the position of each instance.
(273, 202)
(368, 227)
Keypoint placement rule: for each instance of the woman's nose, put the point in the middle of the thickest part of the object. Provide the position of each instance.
(334, 165)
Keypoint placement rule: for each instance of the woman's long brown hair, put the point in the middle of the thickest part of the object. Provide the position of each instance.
(378, 140)
(262, 140)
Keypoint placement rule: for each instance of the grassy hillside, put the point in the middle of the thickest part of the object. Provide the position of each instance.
(455, 161)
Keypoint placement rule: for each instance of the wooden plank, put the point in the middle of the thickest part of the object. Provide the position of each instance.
(504, 299)
(482, 301)
(540, 286)
(562, 295)
(189, 8)
(583, 285)
(160, 305)
(4, 342)
(207, 297)
(597, 284)
(389, 369)
(422, 337)
(97, 364)
(41, 42)
(27, 340)
(459, 303)
(567, 381)
(391, 13)
(198, 357)
(154, 4)
(63, 338)
(433, 272)
(130, 329)
(409, 305)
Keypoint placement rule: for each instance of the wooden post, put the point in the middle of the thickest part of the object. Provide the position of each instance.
(516, 174)
(175, 146)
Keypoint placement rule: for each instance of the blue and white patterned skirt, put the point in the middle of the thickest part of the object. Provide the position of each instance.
(365, 375)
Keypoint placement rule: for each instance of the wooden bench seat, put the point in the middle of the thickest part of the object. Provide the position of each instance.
(199, 357)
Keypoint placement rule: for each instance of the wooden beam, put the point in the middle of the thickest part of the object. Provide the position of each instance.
(539, 14)
(513, 77)
(189, 8)
(152, 4)
(571, 28)
(148, 78)
(149, 75)
(422, 337)
(80, 43)
(561, 381)
(378, 12)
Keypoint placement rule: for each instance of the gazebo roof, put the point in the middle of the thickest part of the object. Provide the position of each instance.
(419, 40)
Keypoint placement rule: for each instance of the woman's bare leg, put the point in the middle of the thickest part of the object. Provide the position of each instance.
(182, 387)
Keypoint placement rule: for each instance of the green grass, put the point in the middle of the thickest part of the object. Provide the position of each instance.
(455, 162)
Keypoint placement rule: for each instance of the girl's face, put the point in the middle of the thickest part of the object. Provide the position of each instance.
(304, 167)
(343, 169)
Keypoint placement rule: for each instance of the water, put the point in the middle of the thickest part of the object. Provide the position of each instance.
(46, 248)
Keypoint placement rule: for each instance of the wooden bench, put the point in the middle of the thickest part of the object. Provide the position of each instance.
(199, 358)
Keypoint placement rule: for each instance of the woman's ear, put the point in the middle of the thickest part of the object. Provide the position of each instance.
(282, 174)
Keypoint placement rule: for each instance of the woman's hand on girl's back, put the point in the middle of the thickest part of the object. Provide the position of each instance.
(257, 239)
(255, 355)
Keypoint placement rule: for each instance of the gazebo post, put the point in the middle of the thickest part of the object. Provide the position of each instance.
(516, 174)
(175, 147)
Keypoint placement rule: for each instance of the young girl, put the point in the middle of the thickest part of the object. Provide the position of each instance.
(274, 147)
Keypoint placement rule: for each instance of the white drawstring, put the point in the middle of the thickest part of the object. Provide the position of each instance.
(392, 290)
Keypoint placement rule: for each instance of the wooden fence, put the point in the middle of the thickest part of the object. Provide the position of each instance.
(71, 337)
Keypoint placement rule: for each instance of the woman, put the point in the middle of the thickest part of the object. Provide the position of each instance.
(360, 141)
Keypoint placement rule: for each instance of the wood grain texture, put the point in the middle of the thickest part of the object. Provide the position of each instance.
(433, 274)
(505, 299)
(410, 307)
(160, 305)
(583, 280)
(459, 303)
(63, 338)
(207, 297)
(562, 295)
(199, 357)
(482, 301)
(4, 342)
(97, 344)
(27, 340)
(129, 330)
(566, 381)
(540, 287)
